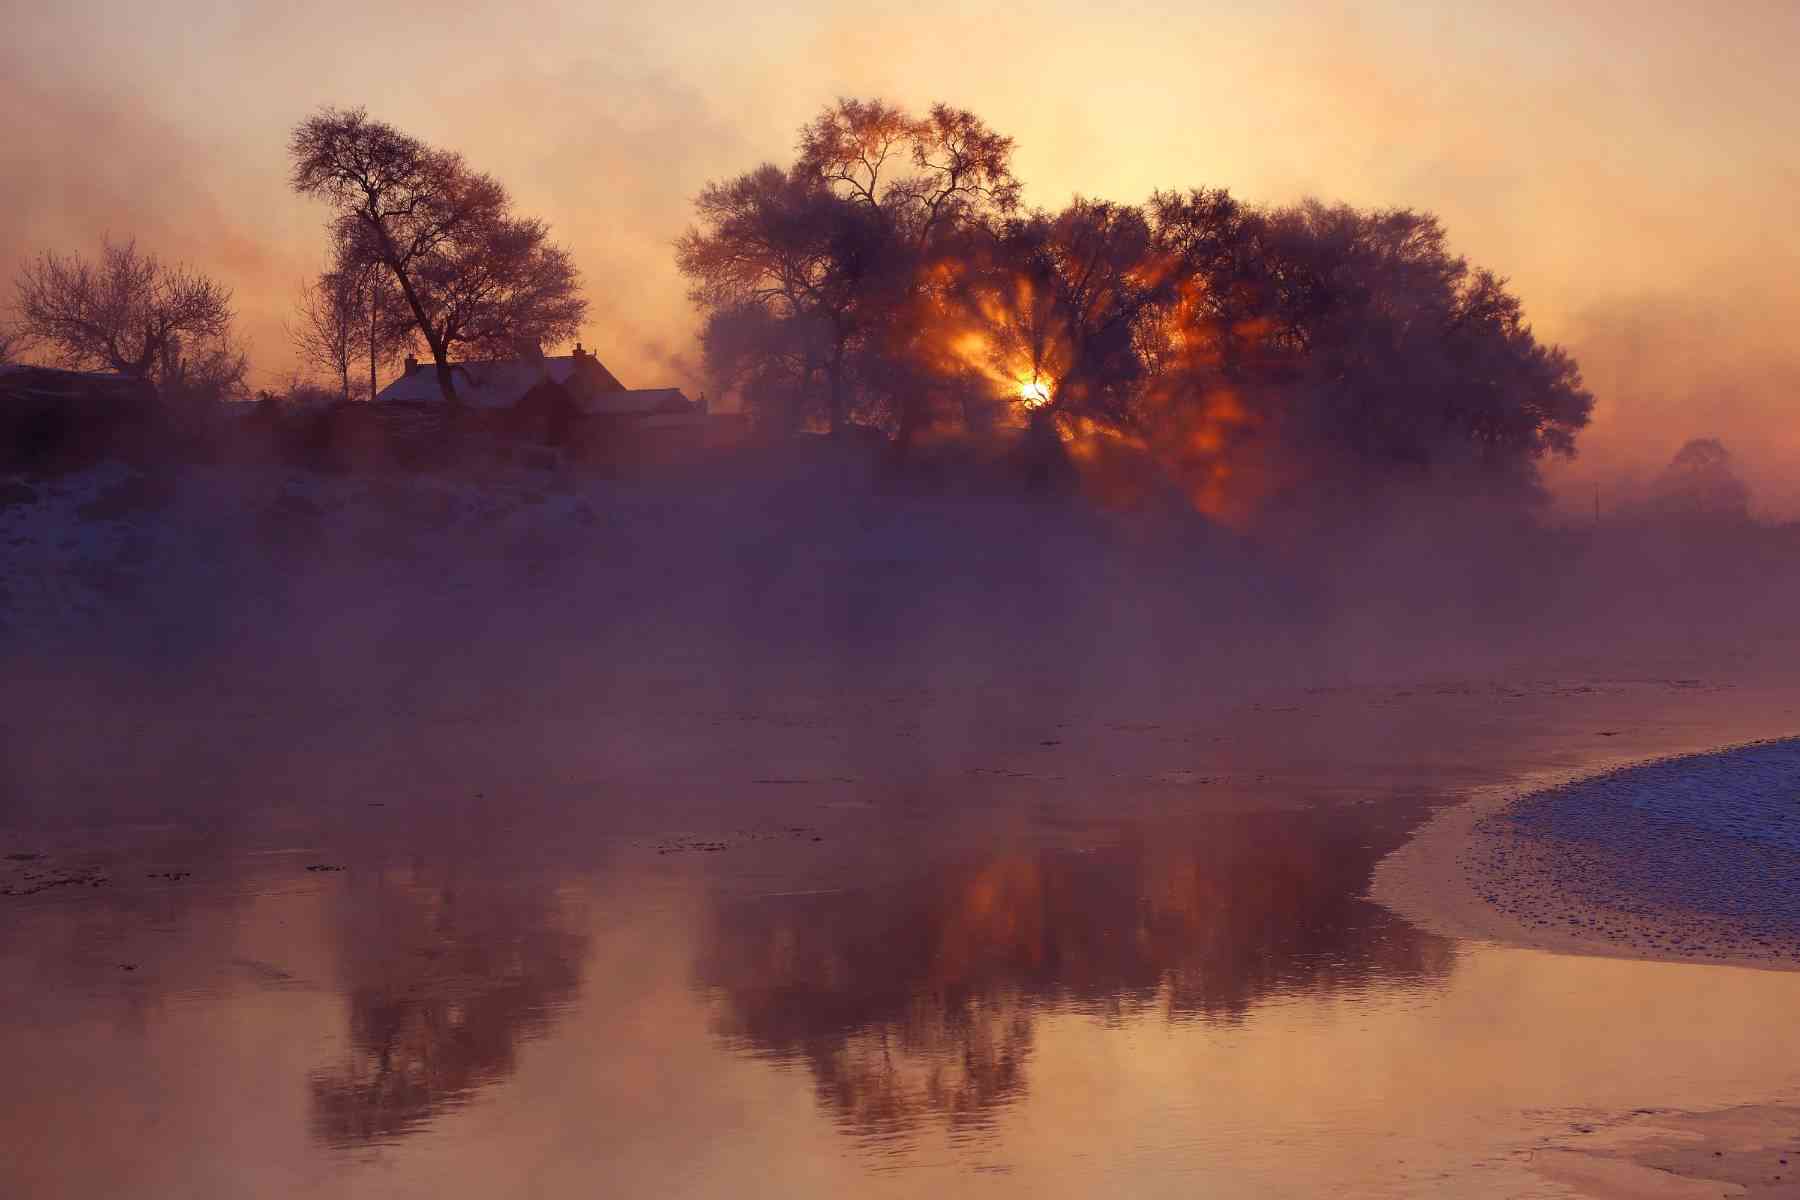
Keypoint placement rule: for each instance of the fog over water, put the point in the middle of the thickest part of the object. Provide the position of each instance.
(791, 825)
(826, 936)
(990, 806)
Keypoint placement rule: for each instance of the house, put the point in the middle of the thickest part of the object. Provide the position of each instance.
(568, 401)
(71, 417)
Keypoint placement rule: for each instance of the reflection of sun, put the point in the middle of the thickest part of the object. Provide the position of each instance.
(1034, 393)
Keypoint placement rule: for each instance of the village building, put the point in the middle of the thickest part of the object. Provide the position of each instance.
(72, 417)
(570, 402)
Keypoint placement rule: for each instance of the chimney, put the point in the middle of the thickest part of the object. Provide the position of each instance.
(412, 364)
(579, 354)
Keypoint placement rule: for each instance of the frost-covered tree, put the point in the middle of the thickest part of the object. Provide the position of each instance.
(127, 311)
(471, 273)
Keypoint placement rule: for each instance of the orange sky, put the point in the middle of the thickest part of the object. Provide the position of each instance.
(1632, 167)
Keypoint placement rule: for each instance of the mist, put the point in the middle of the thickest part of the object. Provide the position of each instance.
(1050, 600)
(1557, 155)
(571, 626)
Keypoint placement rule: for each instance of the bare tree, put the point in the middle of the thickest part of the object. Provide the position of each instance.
(921, 174)
(388, 327)
(348, 313)
(123, 313)
(469, 272)
(328, 320)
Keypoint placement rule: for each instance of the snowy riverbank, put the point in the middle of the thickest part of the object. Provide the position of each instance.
(1692, 858)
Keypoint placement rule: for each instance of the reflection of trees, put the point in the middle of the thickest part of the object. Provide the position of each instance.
(444, 982)
(921, 1000)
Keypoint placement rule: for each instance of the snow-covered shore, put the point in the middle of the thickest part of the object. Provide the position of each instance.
(1687, 858)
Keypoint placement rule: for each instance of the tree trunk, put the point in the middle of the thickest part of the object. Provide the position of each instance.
(374, 313)
(440, 353)
(446, 384)
(140, 367)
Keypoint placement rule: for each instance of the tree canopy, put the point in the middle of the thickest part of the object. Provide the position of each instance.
(888, 277)
(802, 272)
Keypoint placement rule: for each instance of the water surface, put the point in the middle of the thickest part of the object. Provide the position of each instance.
(1125, 956)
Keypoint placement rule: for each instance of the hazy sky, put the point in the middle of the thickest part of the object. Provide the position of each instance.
(1633, 167)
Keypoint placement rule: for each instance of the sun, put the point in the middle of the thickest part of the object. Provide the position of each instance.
(1034, 393)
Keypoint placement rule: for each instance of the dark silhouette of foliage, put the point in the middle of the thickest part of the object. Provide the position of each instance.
(208, 372)
(1701, 483)
(1244, 354)
(821, 257)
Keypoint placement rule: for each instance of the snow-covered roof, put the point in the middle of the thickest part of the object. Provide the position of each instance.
(501, 383)
(24, 369)
(494, 383)
(24, 379)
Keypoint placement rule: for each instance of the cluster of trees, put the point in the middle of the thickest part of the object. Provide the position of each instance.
(889, 278)
(424, 249)
(348, 316)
